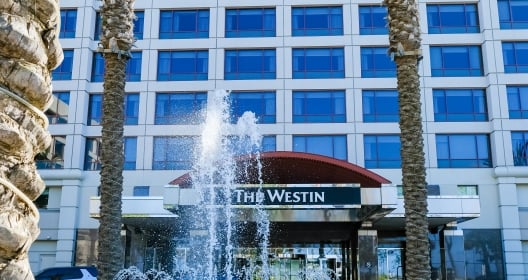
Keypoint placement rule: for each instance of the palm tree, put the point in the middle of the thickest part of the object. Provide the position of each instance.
(405, 43)
(116, 41)
(30, 49)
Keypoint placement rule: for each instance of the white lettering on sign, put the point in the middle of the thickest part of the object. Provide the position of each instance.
(280, 196)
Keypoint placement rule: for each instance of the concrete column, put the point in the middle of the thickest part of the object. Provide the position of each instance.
(511, 229)
(368, 254)
(69, 212)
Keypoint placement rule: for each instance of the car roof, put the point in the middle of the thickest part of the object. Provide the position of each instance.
(66, 269)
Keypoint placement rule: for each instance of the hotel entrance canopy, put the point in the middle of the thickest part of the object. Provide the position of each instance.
(375, 199)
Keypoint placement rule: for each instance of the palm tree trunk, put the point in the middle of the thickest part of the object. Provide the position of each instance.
(29, 50)
(404, 37)
(117, 40)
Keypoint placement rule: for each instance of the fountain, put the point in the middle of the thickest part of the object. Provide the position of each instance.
(214, 175)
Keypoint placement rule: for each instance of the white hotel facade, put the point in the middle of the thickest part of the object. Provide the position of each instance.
(317, 75)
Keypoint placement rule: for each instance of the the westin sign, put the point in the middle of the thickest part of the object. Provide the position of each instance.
(296, 196)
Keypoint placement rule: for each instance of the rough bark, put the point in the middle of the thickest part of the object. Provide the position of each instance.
(30, 49)
(405, 43)
(116, 41)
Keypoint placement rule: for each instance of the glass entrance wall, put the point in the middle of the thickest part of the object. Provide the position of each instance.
(302, 261)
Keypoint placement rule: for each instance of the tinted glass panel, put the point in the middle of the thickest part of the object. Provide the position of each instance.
(319, 106)
(250, 22)
(372, 20)
(460, 105)
(317, 21)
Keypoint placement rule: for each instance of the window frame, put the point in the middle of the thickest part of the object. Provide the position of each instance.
(92, 161)
(129, 152)
(515, 56)
(338, 143)
(305, 66)
(262, 103)
(470, 16)
(440, 69)
(452, 156)
(377, 109)
(452, 104)
(53, 156)
(68, 23)
(371, 26)
(175, 31)
(170, 59)
(509, 14)
(235, 16)
(235, 70)
(65, 70)
(334, 15)
(319, 106)
(519, 140)
(376, 63)
(55, 113)
(379, 150)
(168, 154)
(172, 113)
(517, 101)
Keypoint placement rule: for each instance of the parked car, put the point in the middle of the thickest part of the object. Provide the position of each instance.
(68, 273)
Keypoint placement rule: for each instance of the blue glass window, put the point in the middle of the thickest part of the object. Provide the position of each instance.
(95, 109)
(181, 24)
(58, 111)
(249, 64)
(319, 106)
(269, 143)
(173, 153)
(372, 20)
(180, 108)
(327, 145)
(452, 61)
(68, 23)
(243, 144)
(138, 25)
(518, 102)
(460, 105)
(133, 68)
(315, 63)
(375, 63)
(130, 146)
(452, 18)
(64, 71)
(262, 103)
(515, 56)
(183, 65)
(53, 157)
(317, 21)
(463, 151)
(380, 106)
(141, 191)
(520, 148)
(382, 151)
(131, 108)
(92, 154)
(258, 22)
(513, 14)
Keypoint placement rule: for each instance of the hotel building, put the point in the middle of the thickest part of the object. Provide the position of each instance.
(318, 77)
